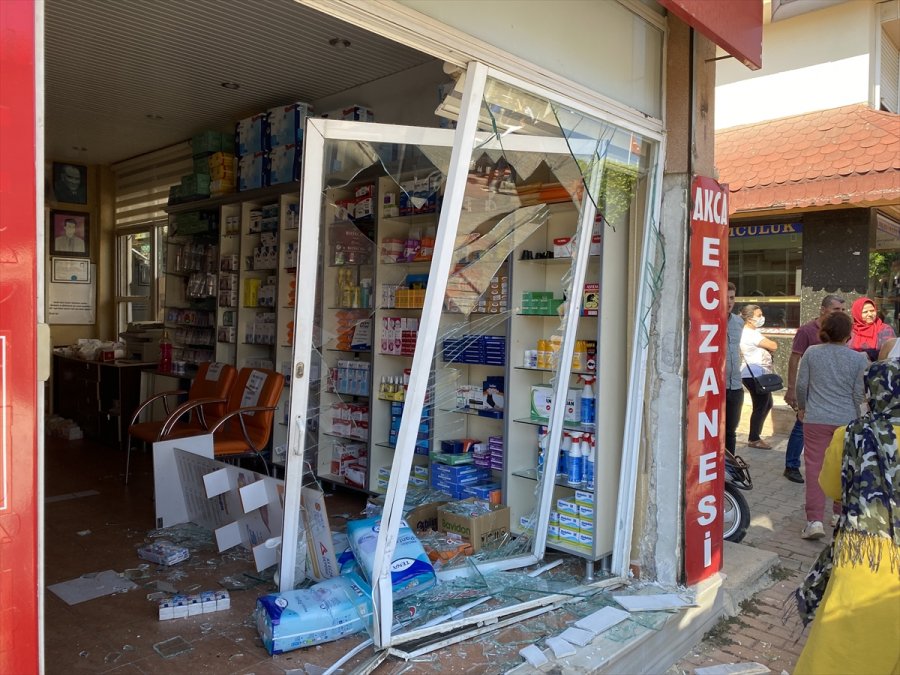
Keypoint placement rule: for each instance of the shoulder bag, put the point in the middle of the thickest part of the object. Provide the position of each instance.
(767, 382)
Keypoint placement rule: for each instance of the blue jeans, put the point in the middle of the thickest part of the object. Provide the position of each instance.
(794, 447)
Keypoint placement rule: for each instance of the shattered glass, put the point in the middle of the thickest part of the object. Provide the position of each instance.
(518, 324)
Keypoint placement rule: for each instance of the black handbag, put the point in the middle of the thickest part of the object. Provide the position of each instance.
(767, 382)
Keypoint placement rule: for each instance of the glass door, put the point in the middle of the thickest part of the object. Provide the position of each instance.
(434, 262)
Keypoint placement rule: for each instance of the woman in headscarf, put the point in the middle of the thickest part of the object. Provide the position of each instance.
(852, 592)
(869, 331)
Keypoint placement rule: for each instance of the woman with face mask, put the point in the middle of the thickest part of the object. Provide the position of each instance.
(756, 357)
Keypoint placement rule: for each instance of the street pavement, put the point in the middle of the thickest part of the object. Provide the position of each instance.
(766, 631)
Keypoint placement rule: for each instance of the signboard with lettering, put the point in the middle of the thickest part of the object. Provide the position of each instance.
(704, 455)
(741, 231)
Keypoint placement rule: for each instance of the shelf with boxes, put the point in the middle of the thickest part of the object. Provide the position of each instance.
(536, 329)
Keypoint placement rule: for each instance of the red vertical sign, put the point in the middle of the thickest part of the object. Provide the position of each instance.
(704, 456)
(19, 649)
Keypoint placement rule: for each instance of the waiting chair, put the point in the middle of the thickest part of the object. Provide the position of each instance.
(246, 426)
(210, 387)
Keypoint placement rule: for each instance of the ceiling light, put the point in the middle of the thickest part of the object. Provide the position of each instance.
(151, 116)
(231, 85)
(339, 43)
(79, 148)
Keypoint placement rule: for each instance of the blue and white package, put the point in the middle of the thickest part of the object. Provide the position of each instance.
(251, 135)
(326, 611)
(252, 171)
(286, 123)
(284, 164)
(411, 570)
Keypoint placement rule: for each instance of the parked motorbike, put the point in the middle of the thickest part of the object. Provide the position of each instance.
(737, 511)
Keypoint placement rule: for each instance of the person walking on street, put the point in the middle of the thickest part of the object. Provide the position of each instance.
(852, 592)
(829, 393)
(734, 389)
(806, 336)
(869, 332)
(757, 356)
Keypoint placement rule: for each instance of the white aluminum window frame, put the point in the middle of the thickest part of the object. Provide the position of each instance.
(464, 139)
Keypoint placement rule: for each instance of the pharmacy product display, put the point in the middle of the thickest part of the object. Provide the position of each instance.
(483, 433)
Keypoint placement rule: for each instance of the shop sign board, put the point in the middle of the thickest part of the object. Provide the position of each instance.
(704, 455)
(742, 231)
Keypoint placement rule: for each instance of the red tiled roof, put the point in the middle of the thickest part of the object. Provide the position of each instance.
(844, 156)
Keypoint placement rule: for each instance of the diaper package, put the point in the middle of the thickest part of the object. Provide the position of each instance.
(326, 611)
(411, 570)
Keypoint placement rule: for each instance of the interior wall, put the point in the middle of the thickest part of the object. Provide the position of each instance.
(100, 241)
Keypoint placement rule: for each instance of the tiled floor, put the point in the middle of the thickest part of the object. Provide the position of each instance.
(93, 522)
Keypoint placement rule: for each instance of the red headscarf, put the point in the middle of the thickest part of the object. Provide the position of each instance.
(865, 335)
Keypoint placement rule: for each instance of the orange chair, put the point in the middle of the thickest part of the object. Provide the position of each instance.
(245, 428)
(210, 387)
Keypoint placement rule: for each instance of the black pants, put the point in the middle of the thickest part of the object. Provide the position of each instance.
(734, 402)
(762, 404)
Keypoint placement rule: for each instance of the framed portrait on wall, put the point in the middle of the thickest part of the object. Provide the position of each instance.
(70, 234)
(69, 183)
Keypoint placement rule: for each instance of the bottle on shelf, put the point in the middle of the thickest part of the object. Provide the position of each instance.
(588, 402)
(165, 353)
(575, 462)
(589, 462)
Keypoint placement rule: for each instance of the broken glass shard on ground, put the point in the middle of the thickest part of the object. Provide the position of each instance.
(172, 647)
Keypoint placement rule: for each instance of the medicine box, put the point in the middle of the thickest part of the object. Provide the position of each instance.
(284, 164)
(251, 135)
(477, 530)
(252, 171)
(286, 123)
(542, 403)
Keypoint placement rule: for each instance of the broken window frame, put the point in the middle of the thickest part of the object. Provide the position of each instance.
(464, 138)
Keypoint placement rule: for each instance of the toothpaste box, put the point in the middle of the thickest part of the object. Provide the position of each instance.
(568, 535)
(568, 520)
(566, 506)
(583, 498)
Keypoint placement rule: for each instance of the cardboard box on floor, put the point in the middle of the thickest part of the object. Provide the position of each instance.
(477, 530)
(421, 518)
(321, 560)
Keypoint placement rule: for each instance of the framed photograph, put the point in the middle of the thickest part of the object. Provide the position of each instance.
(71, 271)
(70, 234)
(70, 183)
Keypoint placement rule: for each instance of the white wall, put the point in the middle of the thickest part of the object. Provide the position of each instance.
(598, 44)
(814, 61)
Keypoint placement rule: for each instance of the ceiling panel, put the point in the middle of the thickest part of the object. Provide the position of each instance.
(123, 77)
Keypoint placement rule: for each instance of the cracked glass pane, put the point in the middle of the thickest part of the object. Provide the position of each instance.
(500, 441)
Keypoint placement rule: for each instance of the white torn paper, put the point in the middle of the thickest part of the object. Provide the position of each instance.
(577, 636)
(534, 655)
(90, 586)
(561, 648)
(653, 603)
(602, 620)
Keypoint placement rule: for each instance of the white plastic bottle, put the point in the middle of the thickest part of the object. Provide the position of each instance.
(588, 404)
(589, 461)
(575, 463)
(562, 466)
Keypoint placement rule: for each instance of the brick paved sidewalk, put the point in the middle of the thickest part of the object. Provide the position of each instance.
(761, 632)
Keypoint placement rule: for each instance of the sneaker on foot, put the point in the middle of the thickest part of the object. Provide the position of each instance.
(793, 475)
(813, 530)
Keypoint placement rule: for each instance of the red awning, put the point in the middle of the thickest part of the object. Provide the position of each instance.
(734, 25)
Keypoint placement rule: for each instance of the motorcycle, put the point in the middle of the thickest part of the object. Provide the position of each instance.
(737, 510)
